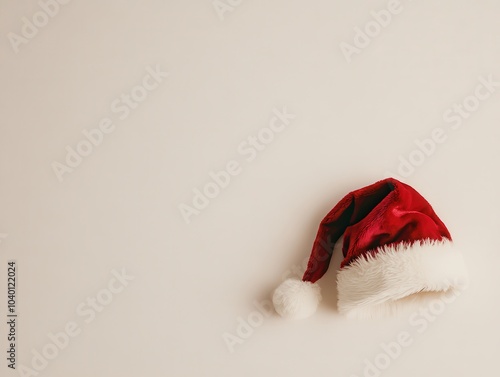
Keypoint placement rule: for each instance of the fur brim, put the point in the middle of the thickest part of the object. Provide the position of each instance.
(381, 284)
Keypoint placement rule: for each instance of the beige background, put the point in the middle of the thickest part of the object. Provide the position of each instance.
(354, 122)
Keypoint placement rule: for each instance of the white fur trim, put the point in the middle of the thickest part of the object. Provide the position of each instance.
(296, 299)
(381, 284)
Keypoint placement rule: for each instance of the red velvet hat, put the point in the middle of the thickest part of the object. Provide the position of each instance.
(396, 251)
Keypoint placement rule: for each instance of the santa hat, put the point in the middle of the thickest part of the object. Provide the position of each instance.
(396, 251)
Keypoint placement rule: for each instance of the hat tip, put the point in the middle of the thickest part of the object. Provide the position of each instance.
(296, 299)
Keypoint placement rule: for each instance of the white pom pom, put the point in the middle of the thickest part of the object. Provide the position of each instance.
(296, 299)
